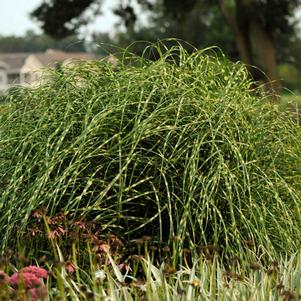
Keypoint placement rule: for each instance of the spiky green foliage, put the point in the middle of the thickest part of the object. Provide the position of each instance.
(204, 280)
(200, 280)
(183, 146)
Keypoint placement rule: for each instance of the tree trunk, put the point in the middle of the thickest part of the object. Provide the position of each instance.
(251, 36)
(265, 48)
(243, 43)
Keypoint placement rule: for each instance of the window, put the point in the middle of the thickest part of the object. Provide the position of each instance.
(13, 78)
(27, 78)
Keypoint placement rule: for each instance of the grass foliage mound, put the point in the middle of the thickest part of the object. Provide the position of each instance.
(182, 146)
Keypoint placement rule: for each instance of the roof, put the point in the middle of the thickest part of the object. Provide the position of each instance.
(50, 57)
(14, 60)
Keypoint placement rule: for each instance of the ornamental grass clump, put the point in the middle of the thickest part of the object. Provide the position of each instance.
(183, 146)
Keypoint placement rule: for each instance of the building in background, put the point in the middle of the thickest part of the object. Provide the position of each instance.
(10, 68)
(26, 68)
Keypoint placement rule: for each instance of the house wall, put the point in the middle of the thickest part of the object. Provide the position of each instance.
(31, 70)
(3, 79)
(9, 77)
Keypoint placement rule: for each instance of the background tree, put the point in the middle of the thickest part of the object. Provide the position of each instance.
(254, 24)
(210, 25)
(32, 42)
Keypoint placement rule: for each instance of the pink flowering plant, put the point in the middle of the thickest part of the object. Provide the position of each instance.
(26, 284)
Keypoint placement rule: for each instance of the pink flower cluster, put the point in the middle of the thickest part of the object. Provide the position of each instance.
(29, 281)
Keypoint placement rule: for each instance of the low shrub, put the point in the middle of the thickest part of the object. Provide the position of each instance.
(182, 147)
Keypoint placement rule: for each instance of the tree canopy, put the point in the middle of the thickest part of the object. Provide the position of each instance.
(255, 25)
(60, 18)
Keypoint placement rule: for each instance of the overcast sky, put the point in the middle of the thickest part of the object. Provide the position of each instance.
(15, 20)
